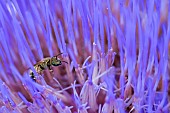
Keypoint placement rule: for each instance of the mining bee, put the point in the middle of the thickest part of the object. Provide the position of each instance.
(44, 64)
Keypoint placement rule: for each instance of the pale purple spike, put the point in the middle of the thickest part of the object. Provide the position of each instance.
(3, 58)
(109, 100)
(119, 105)
(164, 95)
(37, 95)
(42, 7)
(154, 37)
(56, 32)
(32, 27)
(4, 109)
(3, 89)
(164, 72)
(96, 67)
(139, 80)
(70, 33)
(108, 32)
(19, 42)
(26, 50)
(23, 5)
(143, 80)
(168, 27)
(6, 93)
(150, 8)
(76, 97)
(12, 103)
(85, 26)
(88, 7)
(96, 25)
(5, 12)
(141, 39)
(134, 7)
(76, 30)
(39, 103)
(38, 19)
(151, 95)
(52, 98)
(162, 64)
(90, 71)
(87, 15)
(61, 108)
(71, 54)
(120, 37)
(130, 45)
(3, 16)
(25, 45)
(82, 108)
(29, 85)
(24, 99)
(48, 25)
(88, 95)
(4, 40)
(62, 37)
(122, 84)
(110, 22)
(3, 74)
(21, 17)
(52, 5)
(15, 73)
(33, 108)
(166, 42)
(19, 33)
(5, 47)
(144, 54)
(37, 16)
(64, 8)
(157, 5)
(32, 86)
(166, 108)
(101, 24)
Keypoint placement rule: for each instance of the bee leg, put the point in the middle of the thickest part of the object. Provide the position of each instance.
(51, 71)
(33, 78)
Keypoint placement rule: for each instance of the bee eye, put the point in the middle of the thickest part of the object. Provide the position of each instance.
(56, 62)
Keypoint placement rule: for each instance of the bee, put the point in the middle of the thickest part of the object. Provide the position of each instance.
(44, 64)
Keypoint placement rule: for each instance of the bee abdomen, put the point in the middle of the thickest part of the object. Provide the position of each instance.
(32, 76)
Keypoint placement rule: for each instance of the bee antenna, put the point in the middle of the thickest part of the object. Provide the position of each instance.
(65, 62)
(59, 54)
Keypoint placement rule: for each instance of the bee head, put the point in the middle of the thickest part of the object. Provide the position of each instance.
(55, 61)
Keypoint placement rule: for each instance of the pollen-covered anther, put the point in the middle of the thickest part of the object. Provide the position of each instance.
(128, 91)
(79, 72)
(61, 108)
(58, 95)
(108, 107)
(95, 59)
(88, 94)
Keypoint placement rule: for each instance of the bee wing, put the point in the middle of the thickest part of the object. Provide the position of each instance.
(45, 59)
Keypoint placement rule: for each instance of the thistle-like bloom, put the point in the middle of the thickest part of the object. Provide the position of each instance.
(115, 56)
